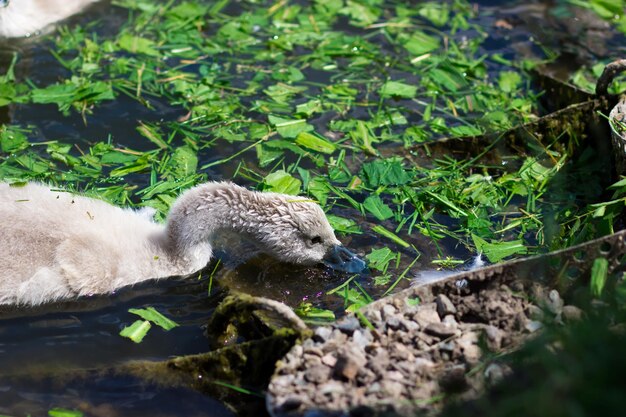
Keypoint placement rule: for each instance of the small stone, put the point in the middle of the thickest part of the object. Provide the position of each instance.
(296, 351)
(399, 351)
(450, 321)
(389, 311)
(322, 334)
(331, 387)
(365, 376)
(448, 346)
(375, 317)
(291, 403)
(444, 306)
(362, 338)
(555, 302)
(392, 389)
(423, 364)
(410, 325)
(329, 360)
(494, 337)
(426, 316)
(379, 362)
(393, 323)
(349, 361)
(307, 344)
(532, 326)
(572, 313)
(469, 346)
(311, 360)
(348, 324)
(440, 330)
(313, 351)
(374, 388)
(494, 373)
(317, 374)
(395, 376)
(535, 313)
(337, 338)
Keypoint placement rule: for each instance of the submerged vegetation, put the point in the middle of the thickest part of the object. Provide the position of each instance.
(329, 98)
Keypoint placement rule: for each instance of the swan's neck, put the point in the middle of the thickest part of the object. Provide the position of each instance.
(203, 214)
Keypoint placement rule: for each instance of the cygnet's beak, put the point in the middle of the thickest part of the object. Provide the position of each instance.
(341, 259)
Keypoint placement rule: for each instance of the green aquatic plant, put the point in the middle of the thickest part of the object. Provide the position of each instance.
(328, 98)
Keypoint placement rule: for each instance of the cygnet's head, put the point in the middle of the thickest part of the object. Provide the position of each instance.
(297, 231)
(288, 228)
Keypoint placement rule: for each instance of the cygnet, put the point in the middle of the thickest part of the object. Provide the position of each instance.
(56, 245)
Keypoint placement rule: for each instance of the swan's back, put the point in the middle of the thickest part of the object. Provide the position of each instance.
(38, 223)
(28, 17)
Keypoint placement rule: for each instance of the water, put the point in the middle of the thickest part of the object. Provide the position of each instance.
(83, 335)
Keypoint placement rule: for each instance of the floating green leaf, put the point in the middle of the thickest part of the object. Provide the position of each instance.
(151, 314)
(384, 172)
(419, 43)
(343, 225)
(315, 143)
(282, 182)
(375, 205)
(379, 259)
(398, 89)
(289, 128)
(137, 44)
(136, 331)
(495, 252)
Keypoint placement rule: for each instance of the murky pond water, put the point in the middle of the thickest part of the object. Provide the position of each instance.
(83, 334)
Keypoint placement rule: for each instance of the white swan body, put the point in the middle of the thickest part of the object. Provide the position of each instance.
(56, 245)
(19, 18)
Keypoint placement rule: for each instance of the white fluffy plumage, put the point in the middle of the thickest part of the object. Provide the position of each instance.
(56, 245)
(19, 18)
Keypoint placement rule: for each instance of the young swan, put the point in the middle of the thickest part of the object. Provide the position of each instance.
(20, 18)
(56, 245)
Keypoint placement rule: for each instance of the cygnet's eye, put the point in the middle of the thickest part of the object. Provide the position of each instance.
(316, 240)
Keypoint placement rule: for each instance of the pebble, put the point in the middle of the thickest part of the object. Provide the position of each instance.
(392, 389)
(329, 360)
(348, 324)
(449, 320)
(572, 313)
(291, 403)
(494, 373)
(444, 306)
(535, 313)
(389, 311)
(362, 338)
(440, 330)
(393, 323)
(323, 333)
(317, 373)
(555, 302)
(494, 337)
(349, 361)
(426, 316)
(410, 325)
(532, 326)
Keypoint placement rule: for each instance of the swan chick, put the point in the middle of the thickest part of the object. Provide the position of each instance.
(56, 245)
(20, 18)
